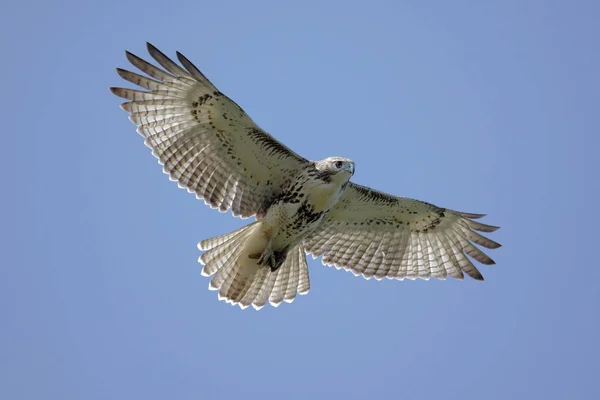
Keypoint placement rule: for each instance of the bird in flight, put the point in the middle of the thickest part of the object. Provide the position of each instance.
(211, 147)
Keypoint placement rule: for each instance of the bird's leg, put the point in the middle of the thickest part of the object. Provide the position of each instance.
(265, 257)
(269, 257)
(278, 259)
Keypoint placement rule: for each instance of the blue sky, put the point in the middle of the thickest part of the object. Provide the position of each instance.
(479, 107)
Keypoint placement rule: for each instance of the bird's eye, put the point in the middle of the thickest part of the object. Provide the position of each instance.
(338, 164)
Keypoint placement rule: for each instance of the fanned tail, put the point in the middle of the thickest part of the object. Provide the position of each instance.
(240, 280)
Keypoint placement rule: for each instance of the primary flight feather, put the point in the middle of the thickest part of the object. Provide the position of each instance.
(211, 147)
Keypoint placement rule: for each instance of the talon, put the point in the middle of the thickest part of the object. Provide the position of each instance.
(277, 260)
(263, 258)
(254, 256)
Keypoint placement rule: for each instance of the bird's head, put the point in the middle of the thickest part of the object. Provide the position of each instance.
(338, 167)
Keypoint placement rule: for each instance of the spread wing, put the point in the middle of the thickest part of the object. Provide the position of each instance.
(204, 140)
(375, 234)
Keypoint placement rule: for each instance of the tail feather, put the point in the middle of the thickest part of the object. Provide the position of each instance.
(236, 285)
(304, 281)
(265, 291)
(220, 252)
(240, 280)
(226, 270)
(295, 277)
(209, 244)
(253, 289)
(278, 292)
(215, 258)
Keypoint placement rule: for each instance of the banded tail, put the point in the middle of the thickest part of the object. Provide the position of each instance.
(240, 280)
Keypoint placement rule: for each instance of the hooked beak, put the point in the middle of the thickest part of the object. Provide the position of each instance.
(350, 168)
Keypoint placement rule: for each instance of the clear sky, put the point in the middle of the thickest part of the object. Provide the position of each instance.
(490, 108)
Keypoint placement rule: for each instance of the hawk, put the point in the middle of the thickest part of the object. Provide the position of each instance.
(211, 147)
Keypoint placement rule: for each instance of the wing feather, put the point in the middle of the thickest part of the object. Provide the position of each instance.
(375, 234)
(203, 139)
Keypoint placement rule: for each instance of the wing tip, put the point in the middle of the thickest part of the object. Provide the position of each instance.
(150, 47)
(180, 56)
(155, 53)
(487, 261)
(123, 73)
(472, 215)
(492, 228)
(186, 62)
(132, 58)
(119, 92)
(477, 277)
